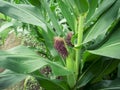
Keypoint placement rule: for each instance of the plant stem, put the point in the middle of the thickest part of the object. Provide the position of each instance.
(25, 82)
(79, 41)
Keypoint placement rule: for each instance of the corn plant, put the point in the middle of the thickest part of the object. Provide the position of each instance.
(81, 41)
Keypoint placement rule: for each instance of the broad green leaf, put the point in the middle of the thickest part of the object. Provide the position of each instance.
(67, 14)
(92, 8)
(111, 48)
(52, 84)
(108, 67)
(108, 85)
(23, 60)
(25, 13)
(82, 5)
(22, 50)
(77, 6)
(35, 2)
(94, 74)
(104, 23)
(21, 63)
(99, 11)
(72, 6)
(89, 57)
(58, 70)
(8, 78)
(89, 74)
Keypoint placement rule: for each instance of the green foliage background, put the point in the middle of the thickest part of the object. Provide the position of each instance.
(92, 62)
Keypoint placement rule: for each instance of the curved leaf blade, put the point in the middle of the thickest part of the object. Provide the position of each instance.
(93, 74)
(99, 11)
(82, 6)
(89, 74)
(35, 2)
(67, 14)
(92, 8)
(107, 85)
(24, 60)
(111, 48)
(25, 13)
(109, 66)
(8, 78)
(52, 84)
(104, 23)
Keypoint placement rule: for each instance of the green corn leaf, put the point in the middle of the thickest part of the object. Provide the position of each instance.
(78, 6)
(92, 8)
(93, 74)
(111, 48)
(25, 13)
(52, 84)
(23, 60)
(5, 26)
(89, 74)
(9, 78)
(107, 85)
(99, 11)
(35, 2)
(104, 23)
(72, 6)
(67, 14)
(82, 6)
(109, 66)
